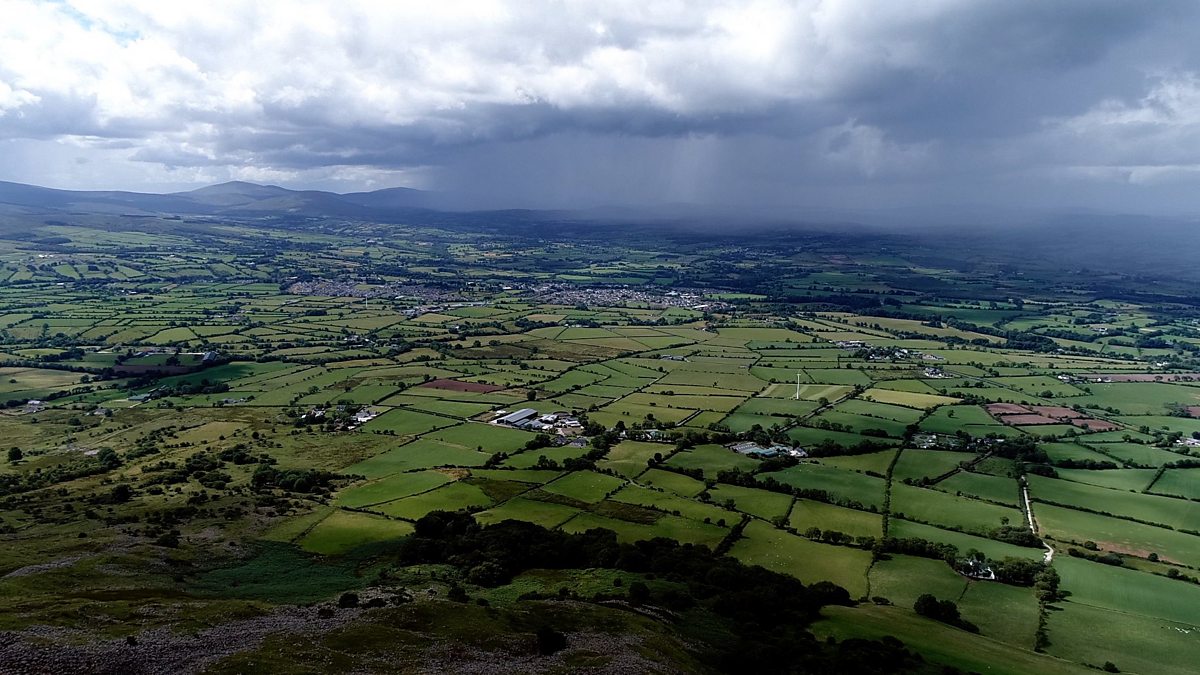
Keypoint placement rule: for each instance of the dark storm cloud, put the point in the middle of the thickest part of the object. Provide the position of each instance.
(578, 103)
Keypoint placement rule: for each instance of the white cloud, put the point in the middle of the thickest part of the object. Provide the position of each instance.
(868, 150)
(363, 91)
(1152, 139)
(12, 100)
(435, 66)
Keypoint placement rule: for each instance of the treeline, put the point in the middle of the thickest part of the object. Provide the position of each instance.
(763, 615)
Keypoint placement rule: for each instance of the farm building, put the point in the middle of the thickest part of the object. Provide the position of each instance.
(515, 418)
(774, 450)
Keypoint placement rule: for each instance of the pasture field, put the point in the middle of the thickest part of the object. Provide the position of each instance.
(1183, 483)
(907, 399)
(343, 531)
(951, 418)
(1093, 635)
(1130, 480)
(917, 464)
(669, 502)
(1060, 452)
(1002, 612)
(419, 454)
(941, 643)
(996, 550)
(1139, 398)
(940, 508)
(490, 438)
(903, 578)
(672, 527)
(710, 459)
(863, 423)
(407, 423)
(585, 486)
(546, 514)
(758, 503)
(392, 487)
(1128, 591)
(1174, 513)
(455, 496)
(808, 561)
(1114, 534)
(1133, 454)
(681, 485)
(806, 513)
(806, 435)
(843, 485)
(876, 462)
(1184, 425)
(629, 457)
(529, 458)
(1000, 489)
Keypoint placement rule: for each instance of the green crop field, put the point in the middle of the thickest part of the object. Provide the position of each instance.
(1179, 483)
(1175, 513)
(809, 561)
(342, 531)
(1135, 643)
(939, 508)
(902, 579)
(1115, 534)
(758, 503)
(585, 486)
(843, 485)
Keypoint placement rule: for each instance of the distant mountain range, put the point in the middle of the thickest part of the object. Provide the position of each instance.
(234, 199)
(1156, 235)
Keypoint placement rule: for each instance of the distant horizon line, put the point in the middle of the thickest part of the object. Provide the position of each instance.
(930, 214)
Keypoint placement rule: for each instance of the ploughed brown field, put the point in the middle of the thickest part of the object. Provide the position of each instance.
(1006, 409)
(1036, 415)
(1056, 411)
(1027, 420)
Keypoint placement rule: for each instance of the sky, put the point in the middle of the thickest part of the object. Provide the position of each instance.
(818, 104)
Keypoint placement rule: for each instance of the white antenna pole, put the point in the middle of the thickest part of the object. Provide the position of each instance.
(797, 386)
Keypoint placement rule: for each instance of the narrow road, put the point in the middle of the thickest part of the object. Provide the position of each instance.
(1049, 557)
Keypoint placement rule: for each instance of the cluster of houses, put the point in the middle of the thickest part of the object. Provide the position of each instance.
(360, 416)
(934, 441)
(773, 450)
(1069, 378)
(561, 423)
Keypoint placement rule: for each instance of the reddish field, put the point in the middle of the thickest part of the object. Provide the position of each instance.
(1056, 411)
(1194, 410)
(1027, 420)
(455, 385)
(1006, 409)
(1095, 425)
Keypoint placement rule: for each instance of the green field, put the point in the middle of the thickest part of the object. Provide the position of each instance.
(809, 561)
(342, 531)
